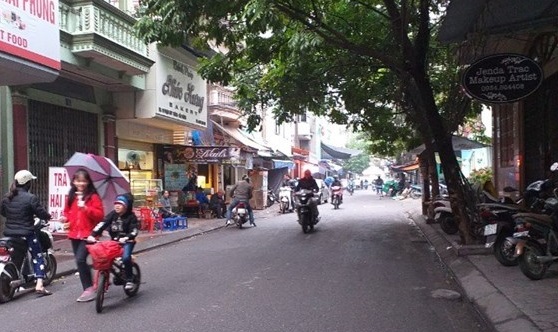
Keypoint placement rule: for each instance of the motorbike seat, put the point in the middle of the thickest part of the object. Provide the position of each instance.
(541, 219)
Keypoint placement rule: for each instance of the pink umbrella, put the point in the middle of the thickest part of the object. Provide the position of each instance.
(107, 178)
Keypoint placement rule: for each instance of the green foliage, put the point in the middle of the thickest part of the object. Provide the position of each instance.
(481, 176)
(352, 61)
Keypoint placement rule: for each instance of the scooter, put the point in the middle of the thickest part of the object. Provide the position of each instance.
(336, 196)
(285, 199)
(416, 191)
(240, 214)
(16, 264)
(306, 218)
(444, 216)
(271, 198)
(351, 189)
(537, 242)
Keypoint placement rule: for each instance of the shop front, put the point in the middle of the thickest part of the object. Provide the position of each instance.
(170, 109)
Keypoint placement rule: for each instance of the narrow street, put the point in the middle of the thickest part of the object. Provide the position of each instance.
(366, 267)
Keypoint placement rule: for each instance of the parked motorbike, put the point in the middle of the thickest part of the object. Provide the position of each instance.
(16, 264)
(271, 198)
(306, 217)
(240, 214)
(444, 215)
(416, 191)
(499, 225)
(537, 241)
(285, 199)
(336, 196)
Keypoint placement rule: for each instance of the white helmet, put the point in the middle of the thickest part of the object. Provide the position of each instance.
(23, 176)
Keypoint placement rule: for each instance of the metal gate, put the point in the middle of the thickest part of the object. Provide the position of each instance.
(55, 133)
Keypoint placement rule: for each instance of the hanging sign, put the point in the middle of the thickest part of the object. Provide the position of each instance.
(502, 78)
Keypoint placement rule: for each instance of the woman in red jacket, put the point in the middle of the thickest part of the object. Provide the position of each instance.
(83, 211)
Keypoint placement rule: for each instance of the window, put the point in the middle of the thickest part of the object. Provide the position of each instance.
(506, 134)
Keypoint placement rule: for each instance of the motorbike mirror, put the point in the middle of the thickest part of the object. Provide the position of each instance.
(554, 167)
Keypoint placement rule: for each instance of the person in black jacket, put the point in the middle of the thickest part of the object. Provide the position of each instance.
(122, 225)
(309, 183)
(20, 207)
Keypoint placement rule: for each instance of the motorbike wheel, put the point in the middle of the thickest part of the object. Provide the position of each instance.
(305, 223)
(448, 224)
(6, 291)
(504, 251)
(532, 267)
(335, 202)
(137, 281)
(284, 207)
(51, 266)
(101, 288)
(414, 194)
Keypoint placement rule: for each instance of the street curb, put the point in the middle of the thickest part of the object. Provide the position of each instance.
(488, 300)
(69, 267)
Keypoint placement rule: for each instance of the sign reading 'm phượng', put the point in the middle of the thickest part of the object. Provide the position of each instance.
(502, 78)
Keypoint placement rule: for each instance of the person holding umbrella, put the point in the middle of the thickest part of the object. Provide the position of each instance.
(83, 211)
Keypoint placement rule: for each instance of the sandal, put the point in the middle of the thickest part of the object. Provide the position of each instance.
(42, 292)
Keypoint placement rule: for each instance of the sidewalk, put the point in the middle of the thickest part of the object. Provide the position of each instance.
(506, 298)
(146, 241)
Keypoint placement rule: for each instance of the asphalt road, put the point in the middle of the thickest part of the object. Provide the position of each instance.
(366, 267)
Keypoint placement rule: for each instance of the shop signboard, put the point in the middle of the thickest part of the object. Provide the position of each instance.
(200, 154)
(502, 78)
(59, 185)
(181, 92)
(30, 30)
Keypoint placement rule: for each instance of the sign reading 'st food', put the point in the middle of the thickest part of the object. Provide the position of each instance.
(502, 78)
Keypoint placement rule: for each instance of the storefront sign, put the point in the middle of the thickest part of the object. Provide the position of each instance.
(181, 92)
(29, 30)
(200, 154)
(502, 78)
(59, 185)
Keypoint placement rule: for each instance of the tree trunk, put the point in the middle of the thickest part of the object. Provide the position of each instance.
(443, 141)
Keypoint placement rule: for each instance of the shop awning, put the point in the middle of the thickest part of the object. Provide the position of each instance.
(283, 163)
(337, 152)
(405, 168)
(241, 138)
(459, 143)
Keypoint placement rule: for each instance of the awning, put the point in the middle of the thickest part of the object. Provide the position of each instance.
(459, 143)
(337, 152)
(241, 138)
(283, 163)
(406, 168)
(495, 16)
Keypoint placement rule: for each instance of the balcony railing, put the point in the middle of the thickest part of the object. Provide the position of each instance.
(222, 97)
(88, 20)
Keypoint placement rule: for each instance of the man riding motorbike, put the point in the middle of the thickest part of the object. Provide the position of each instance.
(337, 183)
(309, 183)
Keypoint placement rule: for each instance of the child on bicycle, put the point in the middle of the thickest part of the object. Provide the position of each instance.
(122, 225)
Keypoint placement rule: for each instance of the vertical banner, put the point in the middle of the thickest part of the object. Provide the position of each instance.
(58, 188)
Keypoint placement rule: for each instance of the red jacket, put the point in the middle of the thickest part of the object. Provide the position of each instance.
(82, 221)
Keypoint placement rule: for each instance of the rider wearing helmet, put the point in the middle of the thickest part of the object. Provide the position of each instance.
(309, 183)
(337, 182)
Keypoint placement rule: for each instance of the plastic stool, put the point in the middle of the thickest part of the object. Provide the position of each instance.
(181, 222)
(170, 223)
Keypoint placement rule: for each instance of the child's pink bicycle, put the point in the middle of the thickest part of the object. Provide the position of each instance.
(107, 259)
